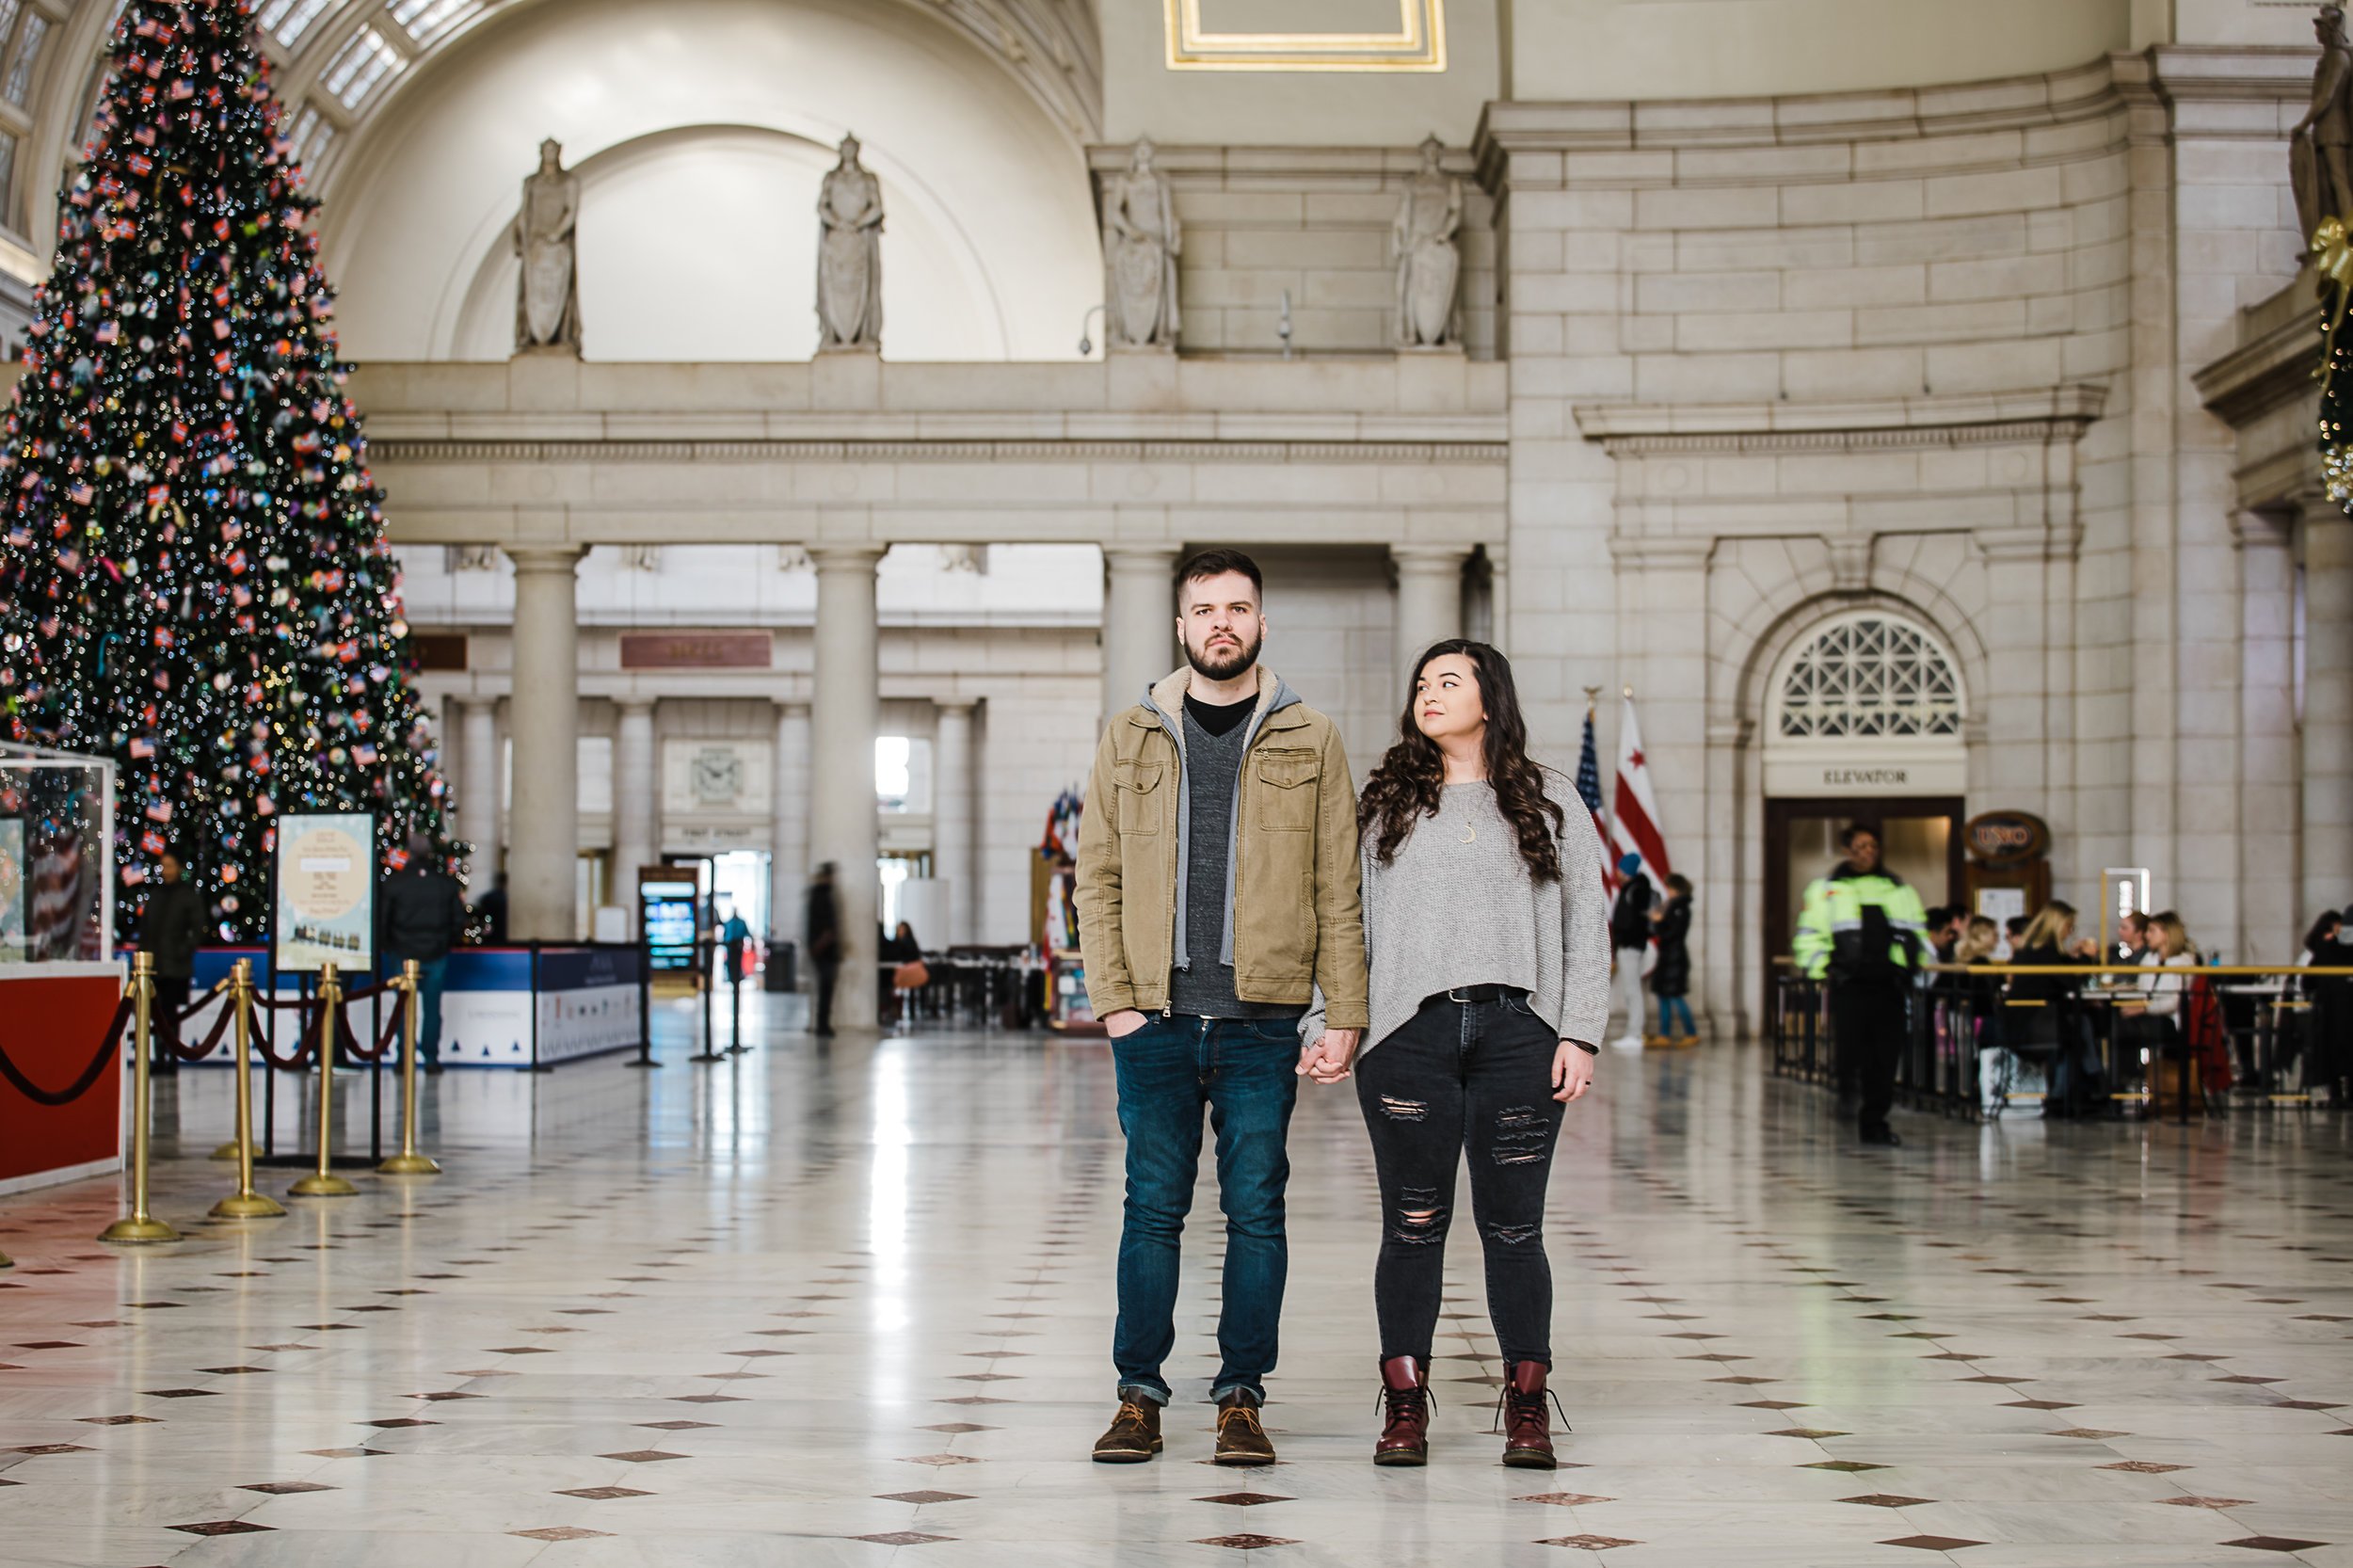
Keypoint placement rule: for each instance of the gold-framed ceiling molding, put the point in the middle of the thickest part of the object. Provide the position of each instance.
(1418, 45)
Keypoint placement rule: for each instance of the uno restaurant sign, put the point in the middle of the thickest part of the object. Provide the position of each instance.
(2005, 837)
(1878, 767)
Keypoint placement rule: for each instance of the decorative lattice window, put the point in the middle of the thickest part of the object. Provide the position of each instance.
(1870, 675)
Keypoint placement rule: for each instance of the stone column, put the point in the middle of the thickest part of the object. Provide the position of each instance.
(2327, 803)
(1500, 598)
(1428, 601)
(1139, 621)
(478, 787)
(843, 720)
(634, 841)
(954, 860)
(788, 851)
(2272, 919)
(544, 721)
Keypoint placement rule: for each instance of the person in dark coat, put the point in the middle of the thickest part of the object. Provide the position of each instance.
(1670, 978)
(491, 907)
(421, 914)
(171, 930)
(1629, 940)
(823, 927)
(2328, 1028)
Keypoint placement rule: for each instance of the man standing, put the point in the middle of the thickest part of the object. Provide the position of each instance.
(823, 927)
(1217, 888)
(1863, 931)
(1629, 936)
(423, 916)
(170, 931)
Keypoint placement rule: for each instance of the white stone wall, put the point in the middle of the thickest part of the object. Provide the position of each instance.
(1314, 221)
(1771, 357)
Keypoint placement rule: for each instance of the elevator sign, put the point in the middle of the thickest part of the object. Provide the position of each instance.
(1901, 766)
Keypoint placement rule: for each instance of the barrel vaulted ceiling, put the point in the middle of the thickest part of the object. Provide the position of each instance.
(341, 63)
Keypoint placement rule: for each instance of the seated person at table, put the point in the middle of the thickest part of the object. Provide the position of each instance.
(2059, 1024)
(2169, 948)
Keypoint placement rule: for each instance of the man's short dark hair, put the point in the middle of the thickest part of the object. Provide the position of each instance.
(1217, 563)
(1852, 830)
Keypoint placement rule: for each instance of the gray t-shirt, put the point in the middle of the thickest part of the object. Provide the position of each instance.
(1212, 768)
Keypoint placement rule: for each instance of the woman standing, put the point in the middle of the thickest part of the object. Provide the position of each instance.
(1488, 933)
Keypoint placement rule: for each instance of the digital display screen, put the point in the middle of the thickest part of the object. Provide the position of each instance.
(668, 922)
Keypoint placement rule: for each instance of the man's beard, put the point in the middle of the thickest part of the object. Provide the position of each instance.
(1223, 666)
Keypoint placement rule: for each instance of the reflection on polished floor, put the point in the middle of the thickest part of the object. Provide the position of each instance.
(808, 1310)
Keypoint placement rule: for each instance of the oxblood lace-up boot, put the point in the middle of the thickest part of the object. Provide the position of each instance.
(1527, 1424)
(1405, 1424)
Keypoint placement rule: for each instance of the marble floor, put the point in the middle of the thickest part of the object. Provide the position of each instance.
(855, 1307)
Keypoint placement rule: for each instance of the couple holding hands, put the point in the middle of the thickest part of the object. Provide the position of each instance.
(1246, 921)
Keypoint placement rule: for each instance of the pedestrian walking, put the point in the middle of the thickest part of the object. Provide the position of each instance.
(172, 928)
(1863, 933)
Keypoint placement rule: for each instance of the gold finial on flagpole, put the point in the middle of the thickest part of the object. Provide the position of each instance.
(1592, 696)
(1627, 693)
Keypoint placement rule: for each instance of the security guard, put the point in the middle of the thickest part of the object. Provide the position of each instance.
(1863, 931)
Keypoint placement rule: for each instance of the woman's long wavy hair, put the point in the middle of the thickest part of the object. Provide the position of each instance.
(1411, 780)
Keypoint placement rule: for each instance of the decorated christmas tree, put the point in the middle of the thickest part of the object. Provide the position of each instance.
(194, 578)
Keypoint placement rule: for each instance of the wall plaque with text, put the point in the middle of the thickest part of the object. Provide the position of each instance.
(696, 651)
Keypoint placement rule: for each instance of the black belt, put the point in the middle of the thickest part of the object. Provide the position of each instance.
(1477, 993)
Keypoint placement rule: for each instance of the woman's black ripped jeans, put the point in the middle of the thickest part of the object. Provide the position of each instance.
(1473, 1076)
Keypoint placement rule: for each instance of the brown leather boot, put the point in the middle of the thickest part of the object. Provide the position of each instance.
(1242, 1437)
(1134, 1436)
(1405, 1425)
(1527, 1424)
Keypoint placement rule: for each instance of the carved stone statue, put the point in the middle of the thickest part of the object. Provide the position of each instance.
(1422, 242)
(1141, 244)
(2320, 152)
(849, 256)
(546, 302)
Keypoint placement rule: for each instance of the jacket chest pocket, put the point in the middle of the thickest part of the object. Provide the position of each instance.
(1138, 785)
(1286, 791)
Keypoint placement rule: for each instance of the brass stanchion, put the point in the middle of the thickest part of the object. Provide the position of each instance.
(244, 1203)
(324, 1182)
(138, 1225)
(408, 1161)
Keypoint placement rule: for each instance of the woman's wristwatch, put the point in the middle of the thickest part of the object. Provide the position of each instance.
(1590, 1050)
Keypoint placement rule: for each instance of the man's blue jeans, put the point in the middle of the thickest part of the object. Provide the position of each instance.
(1245, 1073)
(429, 973)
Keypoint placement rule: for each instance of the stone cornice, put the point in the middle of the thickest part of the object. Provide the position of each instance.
(1196, 165)
(462, 450)
(1896, 114)
(2278, 351)
(2035, 416)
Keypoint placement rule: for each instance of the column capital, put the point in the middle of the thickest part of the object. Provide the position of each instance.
(1429, 557)
(847, 556)
(634, 703)
(545, 558)
(2319, 506)
(791, 707)
(958, 704)
(1138, 557)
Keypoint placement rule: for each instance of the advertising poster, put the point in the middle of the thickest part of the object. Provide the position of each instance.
(589, 1001)
(326, 893)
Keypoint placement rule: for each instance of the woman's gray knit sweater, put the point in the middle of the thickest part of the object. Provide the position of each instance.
(1457, 907)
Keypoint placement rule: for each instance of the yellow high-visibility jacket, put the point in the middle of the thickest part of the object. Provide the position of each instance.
(1831, 931)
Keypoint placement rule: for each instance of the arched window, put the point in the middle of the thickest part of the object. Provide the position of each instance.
(1869, 675)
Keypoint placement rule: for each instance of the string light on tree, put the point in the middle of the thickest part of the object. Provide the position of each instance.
(194, 577)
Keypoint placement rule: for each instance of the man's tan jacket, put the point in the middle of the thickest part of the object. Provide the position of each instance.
(1293, 922)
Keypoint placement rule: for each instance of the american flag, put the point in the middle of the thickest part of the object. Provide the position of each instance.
(1589, 791)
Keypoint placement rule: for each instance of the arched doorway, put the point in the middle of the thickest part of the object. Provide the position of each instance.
(1863, 723)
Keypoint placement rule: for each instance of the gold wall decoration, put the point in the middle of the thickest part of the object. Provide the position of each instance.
(1416, 43)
